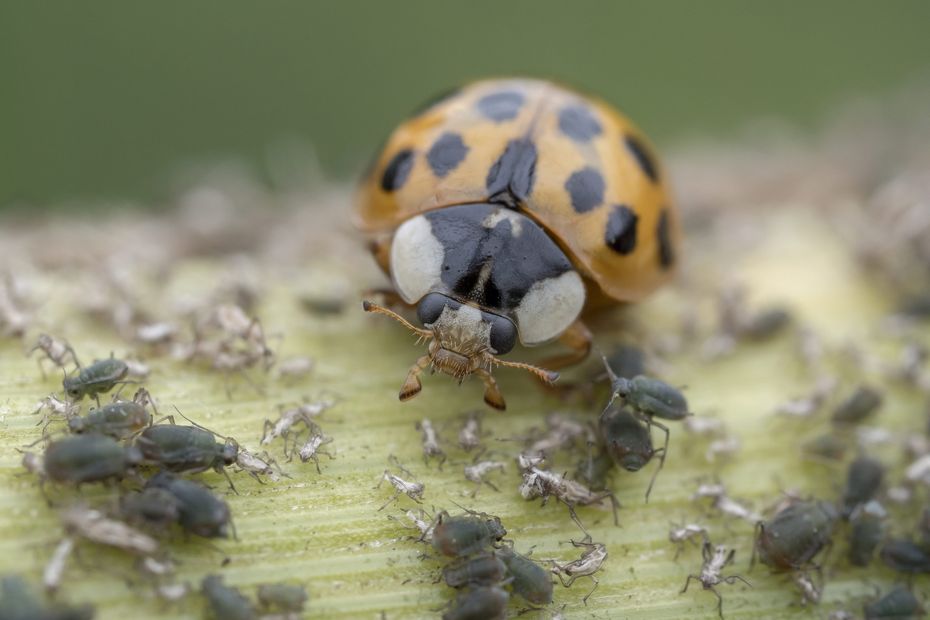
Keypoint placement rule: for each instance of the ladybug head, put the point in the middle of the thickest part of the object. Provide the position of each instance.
(463, 340)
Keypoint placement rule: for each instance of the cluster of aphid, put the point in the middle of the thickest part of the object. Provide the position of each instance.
(122, 442)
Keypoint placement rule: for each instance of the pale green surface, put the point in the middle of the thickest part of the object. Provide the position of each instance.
(325, 529)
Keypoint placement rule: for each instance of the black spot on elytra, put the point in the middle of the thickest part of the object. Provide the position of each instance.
(435, 100)
(586, 189)
(578, 123)
(620, 235)
(397, 171)
(510, 179)
(502, 106)
(666, 251)
(446, 154)
(643, 157)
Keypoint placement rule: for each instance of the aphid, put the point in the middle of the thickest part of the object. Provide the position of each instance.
(680, 534)
(485, 569)
(595, 470)
(96, 527)
(724, 503)
(464, 535)
(321, 304)
(905, 556)
(89, 458)
(589, 563)
(899, 604)
(295, 367)
(863, 479)
(530, 580)
(59, 352)
(858, 406)
(628, 441)
(304, 413)
(716, 558)
(810, 591)
(795, 535)
(867, 529)
(765, 323)
(310, 450)
(98, 378)
(806, 406)
(286, 597)
(187, 449)
(200, 512)
(481, 603)
(55, 568)
(827, 446)
(476, 473)
(120, 419)
(470, 435)
(18, 602)
(430, 442)
(258, 466)
(649, 397)
(413, 490)
(226, 602)
(151, 507)
(543, 483)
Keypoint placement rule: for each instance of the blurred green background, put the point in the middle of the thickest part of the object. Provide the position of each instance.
(109, 100)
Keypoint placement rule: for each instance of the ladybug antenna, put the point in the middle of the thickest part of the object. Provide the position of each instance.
(367, 306)
(548, 376)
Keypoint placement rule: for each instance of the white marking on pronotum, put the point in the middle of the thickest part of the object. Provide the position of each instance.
(549, 307)
(516, 220)
(416, 259)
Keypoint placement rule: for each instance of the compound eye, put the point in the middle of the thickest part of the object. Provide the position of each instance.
(503, 335)
(430, 307)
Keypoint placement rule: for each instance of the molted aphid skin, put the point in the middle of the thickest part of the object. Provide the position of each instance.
(226, 602)
(506, 209)
(464, 535)
(88, 458)
(530, 580)
(483, 603)
(899, 604)
(98, 378)
(794, 536)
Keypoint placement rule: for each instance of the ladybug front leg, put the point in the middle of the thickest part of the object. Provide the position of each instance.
(412, 385)
(578, 339)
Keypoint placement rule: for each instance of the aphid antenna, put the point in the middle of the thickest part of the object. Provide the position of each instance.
(200, 426)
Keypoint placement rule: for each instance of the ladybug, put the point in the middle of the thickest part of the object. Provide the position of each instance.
(504, 210)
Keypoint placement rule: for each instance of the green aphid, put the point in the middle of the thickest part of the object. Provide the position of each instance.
(98, 378)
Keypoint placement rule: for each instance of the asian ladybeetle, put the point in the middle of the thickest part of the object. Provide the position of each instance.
(504, 210)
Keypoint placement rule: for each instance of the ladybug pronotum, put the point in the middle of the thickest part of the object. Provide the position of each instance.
(506, 209)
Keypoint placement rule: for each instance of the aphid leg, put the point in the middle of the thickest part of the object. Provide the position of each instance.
(734, 578)
(229, 480)
(574, 516)
(492, 393)
(757, 531)
(412, 384)
(663, 450)
(588, 595)
(688, 582)
(390, 501)
(719, 601)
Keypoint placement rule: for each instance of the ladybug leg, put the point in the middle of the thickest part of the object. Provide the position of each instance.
(412, 385)
(578, 339)
(492, 394)
(380, 248)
